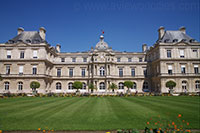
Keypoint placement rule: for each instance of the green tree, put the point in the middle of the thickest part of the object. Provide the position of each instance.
(77, 85)
(128, 84)
(112, 86)
(91, 87)
(170, 84)
(34, 85)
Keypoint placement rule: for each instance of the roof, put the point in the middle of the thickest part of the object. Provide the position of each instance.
(27, 37)
(175, 36)
(101, 45)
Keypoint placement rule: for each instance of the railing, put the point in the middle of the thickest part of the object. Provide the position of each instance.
(179, 74)
(25, 75)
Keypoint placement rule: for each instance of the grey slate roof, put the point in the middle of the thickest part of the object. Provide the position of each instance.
(175, 36)
(27, 37)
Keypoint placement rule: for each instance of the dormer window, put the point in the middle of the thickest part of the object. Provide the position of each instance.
(36, 41)
(19, 40)
(175, 40)
(166, 40)
(28, 41)
(192, 40)
(10, 41)
(183, 40)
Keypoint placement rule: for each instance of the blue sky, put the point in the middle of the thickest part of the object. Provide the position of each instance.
(77, 24)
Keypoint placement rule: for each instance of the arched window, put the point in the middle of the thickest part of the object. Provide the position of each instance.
(58, 86)
(102, 71)
(102, 86)
(20, 85)
(84, 86)
(6, 85)
(145, 85)
(175, 40)
(121, 85)
(134, 85)
(184, 85)
(197, 85)
(70, 86)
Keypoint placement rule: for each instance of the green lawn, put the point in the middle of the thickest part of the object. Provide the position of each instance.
(95, 113)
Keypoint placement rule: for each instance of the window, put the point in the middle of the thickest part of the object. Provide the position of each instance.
(102, 86)
(34, 70)
(73, 59)
(84, 59)
(145, 72)
(71, 72)
(83, 72)
(118, 59)
(181, 53)
(102, 71)
(129, 59)
(22, 55)
(145, 85)
(121, 72)
(169, 54)
(21, 69)
(34, 53)
(183, 69)
(196, 69)
(170, 69)
(58, 72)
(175, 40)
(195, 53)
(140, 59)
(9, 54)
(20, 86)
(184, 86)
(84, 86)
(7, 69)
(133, 72)
(197, 85)
(70, 86)
(58, 86)
(6, 85)
(134, 85)
(121, 85)
(62, 59)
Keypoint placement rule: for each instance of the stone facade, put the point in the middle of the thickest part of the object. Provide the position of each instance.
(28, 57)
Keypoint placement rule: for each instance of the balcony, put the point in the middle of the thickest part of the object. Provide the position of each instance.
(25, 76)
(179, 74)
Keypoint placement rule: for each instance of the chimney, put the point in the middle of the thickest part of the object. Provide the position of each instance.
(182, 29)
(20, 30)
(42, 33)
(161, 32)
(58, 48)
(144, 47)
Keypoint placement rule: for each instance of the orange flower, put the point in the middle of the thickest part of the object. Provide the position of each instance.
(156, 123)
(169, 125)
(147, 123)
(183, 120)
(188, 131)
(159, 128)
(39, 128)
(173, 123)
(43, 131)
(178, 129)
(151, 129)
(179, 115)
(188, 123)
(175, 127)
(0, 131)
(150, 118)
(158, 131)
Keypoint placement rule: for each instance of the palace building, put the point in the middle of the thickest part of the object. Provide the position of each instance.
(28, 57)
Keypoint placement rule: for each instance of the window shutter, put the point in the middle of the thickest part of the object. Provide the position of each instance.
(182, 66)
(34, 53)
(181, 52)
(169, 67)
(196, 66)
(20, 69)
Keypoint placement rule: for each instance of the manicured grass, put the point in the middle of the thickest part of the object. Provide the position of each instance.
(95, 113)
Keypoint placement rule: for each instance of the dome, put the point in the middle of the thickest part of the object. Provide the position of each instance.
(101, 45)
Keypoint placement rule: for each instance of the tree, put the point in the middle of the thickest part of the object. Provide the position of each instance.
(91, 87)
(128, 84)
(34, 85)
(170, 84)
(112, 86)
(77, 85)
